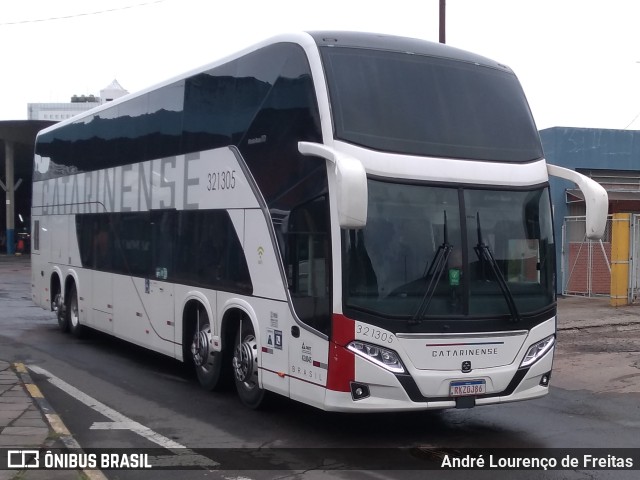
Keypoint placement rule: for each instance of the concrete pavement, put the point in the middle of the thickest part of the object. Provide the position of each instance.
(24, 423)
(584, 312)
(26, 419)
(21, 421)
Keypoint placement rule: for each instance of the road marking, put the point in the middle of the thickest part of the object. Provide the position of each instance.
(55, 422)
(140, 429)
(113, 426)
(106, 411)
(120, 421)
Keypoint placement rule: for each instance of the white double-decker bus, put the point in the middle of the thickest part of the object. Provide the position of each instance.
(358, 222)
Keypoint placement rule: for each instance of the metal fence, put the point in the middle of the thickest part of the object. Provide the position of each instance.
(634, 260)
(586, 264)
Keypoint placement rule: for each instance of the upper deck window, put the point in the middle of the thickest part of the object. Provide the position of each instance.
(420, 105)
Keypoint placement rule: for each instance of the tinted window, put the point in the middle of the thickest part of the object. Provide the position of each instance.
(143, 128)
(96, 241)
(309, 263)
(36, 235)
(208, 251)
(289, 182)
(196, 247)
(130, 131)
(165, 118)
(133, 241)
(96, 144)
(209, 120)
(420, 105)
(264, 103)
(287, 114)
(163, 224)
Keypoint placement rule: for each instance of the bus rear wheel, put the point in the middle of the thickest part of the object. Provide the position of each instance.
(208, 363)
(60, 309)
(245, 366)
(71, 313)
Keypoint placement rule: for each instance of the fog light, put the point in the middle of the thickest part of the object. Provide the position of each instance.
(544, 380)
(359, 391)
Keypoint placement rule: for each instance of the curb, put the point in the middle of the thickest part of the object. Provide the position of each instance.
(53, 419)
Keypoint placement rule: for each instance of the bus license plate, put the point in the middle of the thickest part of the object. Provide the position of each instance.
(467, 387)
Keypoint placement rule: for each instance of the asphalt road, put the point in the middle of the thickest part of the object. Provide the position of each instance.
(121, 396)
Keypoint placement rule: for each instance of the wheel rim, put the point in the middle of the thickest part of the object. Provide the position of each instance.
(60, 311)
(74, 311)
(202, 348)
(245, 361)
(55, 305)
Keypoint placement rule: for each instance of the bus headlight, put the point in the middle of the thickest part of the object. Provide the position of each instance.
(538, 350)
(384, 357)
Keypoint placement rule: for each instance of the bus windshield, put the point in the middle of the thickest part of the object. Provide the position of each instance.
(420, 105)
(432, 252)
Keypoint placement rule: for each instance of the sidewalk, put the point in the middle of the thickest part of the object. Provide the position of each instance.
(23, 424)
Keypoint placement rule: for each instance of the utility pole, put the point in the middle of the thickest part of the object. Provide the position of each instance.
(10, 189)
(443, 16)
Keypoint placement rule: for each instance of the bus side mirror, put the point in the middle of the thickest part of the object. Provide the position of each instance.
(595, 198)
(351, 184)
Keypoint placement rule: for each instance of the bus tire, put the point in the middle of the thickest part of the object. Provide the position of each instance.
(208, 364)
(245, 366)
(72, 312)
(61, 312)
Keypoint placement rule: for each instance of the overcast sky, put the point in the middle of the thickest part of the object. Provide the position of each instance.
(578, 60)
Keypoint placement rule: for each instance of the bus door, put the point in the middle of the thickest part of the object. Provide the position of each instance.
(101, 260)
(309, 279)
(158, 295)
(40, 250)
(159, 305)
(102, 301)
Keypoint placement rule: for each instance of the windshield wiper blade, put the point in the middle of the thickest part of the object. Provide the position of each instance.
(485, 255)
(434, 273)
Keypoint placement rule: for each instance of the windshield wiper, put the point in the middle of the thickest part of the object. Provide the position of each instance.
(434, 273)
(485, 255)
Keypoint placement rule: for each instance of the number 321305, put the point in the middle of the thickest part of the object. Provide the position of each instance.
(224, 180)
(374, 333)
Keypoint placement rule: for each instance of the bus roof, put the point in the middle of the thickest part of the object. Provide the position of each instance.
(393, 43)
(373, 41)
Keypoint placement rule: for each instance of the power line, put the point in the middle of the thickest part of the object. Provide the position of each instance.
(632, 121)
(85, 14)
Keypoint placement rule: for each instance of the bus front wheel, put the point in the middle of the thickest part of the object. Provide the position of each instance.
(245, 366)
